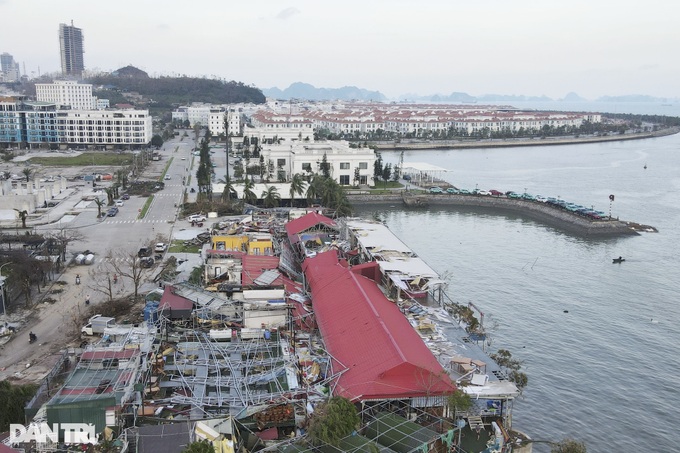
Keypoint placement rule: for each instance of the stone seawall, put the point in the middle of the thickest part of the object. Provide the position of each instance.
(507, 143)
(535, 210)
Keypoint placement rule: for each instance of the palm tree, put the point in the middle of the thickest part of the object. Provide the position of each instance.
(22, 215)
(314, 188)
(228, 190)
(27, 173)
(271, 197)
(99, 204)
(248, 194)
(109, 194)
(297, 186)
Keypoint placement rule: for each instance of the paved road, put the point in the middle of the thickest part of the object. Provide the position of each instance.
(123, 234)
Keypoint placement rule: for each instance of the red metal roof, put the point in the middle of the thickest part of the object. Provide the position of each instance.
(306, 222)
(173, 301)
(101, 355)
(254, 265)
(366, 333)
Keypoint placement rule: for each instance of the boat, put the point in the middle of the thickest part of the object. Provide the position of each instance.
(618, 260)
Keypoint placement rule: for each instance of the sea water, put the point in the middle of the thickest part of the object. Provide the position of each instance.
(599, 341)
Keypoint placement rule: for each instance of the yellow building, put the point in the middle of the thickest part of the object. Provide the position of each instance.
(250, 243)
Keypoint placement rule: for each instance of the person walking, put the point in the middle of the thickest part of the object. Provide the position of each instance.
(87, 300)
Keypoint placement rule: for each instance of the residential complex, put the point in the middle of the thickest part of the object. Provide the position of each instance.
(214, 117)
(71, 48)
(39, 123)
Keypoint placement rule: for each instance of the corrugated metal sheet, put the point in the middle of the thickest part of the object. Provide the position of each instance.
(90, 411)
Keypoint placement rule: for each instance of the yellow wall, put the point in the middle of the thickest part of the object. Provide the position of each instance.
(233, 243)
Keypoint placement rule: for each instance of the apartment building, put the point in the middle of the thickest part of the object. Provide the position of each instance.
(63, 93)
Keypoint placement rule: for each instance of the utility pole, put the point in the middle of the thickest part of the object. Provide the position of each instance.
(226, 147)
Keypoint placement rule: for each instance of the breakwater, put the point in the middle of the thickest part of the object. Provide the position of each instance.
(538, 211)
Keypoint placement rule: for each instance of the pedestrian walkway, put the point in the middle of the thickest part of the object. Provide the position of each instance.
(108, 220)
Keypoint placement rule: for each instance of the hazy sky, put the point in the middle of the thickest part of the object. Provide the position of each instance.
(532, 47)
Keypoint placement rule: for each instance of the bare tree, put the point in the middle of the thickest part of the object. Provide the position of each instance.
(64, 237)
(102, 280)
(127, 264)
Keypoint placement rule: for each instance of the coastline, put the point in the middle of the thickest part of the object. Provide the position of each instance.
(549, 215)
(509, 143)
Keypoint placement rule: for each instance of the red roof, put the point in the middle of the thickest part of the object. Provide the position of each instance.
(101, 355)
(306, 222)
(173, 301)
(254, 265)
(367, 334)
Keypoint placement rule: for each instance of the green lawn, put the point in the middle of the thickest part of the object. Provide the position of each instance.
(85, 159)
(179, 247)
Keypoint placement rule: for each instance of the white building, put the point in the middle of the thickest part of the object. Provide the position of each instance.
(67, 93)
(348, 166)
(114, 128)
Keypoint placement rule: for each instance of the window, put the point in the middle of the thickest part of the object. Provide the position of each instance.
(280, 162)
(344, 165)
(363, 165)
(307, 166)
(344, 180)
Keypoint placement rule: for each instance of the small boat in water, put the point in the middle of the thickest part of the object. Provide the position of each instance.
(618, 260)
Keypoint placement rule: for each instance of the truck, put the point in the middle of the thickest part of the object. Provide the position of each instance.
(97, 324)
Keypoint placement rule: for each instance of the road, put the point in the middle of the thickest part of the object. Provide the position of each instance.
(121, 235)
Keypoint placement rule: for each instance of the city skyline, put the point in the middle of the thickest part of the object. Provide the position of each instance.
(400, 47)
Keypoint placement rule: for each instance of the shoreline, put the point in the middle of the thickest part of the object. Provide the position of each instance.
(509, 143)
(540, 212)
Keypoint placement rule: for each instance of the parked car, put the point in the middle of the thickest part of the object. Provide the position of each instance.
(496, 193)
(407, 177)
(125, 197)
(147, 262)
(160, 247)
(484, 192)
(144, 252)
(436, 189)
(120, 203)
(452, 190)
(197, 218)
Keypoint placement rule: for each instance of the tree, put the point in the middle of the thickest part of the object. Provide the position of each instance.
(22, 215)
(387, 172)
(157, 141)
(504, 359)
(297, 186)
(99, 204)
(325, 167)
(13, 398)
(27, 173)
(568, 446)
(129, 266)
(202, 446)
(377, 167)
(459, 401)
(332, 421)
(64, 237)
(271, 197)
(101, 281)
(248, 195)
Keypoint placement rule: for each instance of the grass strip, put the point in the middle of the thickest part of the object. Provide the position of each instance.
(165, 170)
(145, 208)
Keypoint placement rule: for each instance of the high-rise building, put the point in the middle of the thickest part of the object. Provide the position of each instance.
(10, 68)
(71, 45)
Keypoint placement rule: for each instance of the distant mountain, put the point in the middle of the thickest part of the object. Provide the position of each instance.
(573, 97)
(130, 71)
(511, 98)
(454, 98)
(631, 98)
(301, 90)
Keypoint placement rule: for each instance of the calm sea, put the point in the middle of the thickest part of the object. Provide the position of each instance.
(599, 341)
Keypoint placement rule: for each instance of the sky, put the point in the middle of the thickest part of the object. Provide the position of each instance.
(529, 47)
